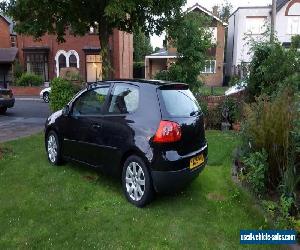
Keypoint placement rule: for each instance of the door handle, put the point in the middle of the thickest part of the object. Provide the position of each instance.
(96, 126)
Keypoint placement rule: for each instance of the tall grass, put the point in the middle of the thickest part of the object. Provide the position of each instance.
(268, 125)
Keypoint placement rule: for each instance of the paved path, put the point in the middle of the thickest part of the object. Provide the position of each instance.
(26, 118)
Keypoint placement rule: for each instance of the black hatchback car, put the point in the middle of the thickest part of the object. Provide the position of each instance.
(149, 133)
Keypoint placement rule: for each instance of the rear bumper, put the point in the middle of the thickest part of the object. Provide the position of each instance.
(7, 103)
(172, 181)
(166, 180)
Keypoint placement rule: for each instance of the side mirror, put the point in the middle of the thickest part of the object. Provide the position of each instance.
(66, 110)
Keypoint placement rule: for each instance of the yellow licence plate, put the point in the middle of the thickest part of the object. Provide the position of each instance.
(196, 161)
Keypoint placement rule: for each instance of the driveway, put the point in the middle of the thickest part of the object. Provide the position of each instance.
(27, 117)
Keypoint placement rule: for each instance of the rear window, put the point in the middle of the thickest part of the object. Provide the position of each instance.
(180, 103)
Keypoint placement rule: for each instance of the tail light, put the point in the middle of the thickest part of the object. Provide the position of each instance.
(167, 132)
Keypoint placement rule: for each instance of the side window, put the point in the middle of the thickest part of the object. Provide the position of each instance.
(125, 99)
(91, 102)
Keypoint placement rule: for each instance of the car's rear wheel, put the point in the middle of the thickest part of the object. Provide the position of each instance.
(53, 148)
(3, 110)
(46, 97)
(137, 182)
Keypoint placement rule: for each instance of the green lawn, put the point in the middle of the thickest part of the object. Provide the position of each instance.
(73, 207)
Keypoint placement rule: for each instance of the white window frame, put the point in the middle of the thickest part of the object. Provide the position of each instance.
(211, 69)
(255, 25)
(67, 55)
(214, 34)
(293, 27)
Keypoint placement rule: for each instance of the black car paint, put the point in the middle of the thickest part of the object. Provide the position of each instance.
(106, 140)
(6, 102)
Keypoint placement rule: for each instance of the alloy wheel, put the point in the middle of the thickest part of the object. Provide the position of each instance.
(52, 148)
(135, 181)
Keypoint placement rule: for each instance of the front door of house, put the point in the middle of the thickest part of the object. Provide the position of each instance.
(93, 68)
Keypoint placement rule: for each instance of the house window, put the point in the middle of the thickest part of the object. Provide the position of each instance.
(13, 41)
(62, 62)
(294, 10)
(37, 63)
(256, 25)
(93, 68)
(214, 34)
(73, 61)
(65, 59)
(293, 25)
(210, 67)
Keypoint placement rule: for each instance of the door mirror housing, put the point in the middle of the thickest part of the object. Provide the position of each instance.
(66, 110)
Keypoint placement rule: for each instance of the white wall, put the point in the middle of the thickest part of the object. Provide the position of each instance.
(238, 47)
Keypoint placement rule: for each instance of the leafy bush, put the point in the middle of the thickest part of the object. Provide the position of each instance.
(233, 108)
(256, 169)
(18, 70)
(295, 42)
(233, 80)
(270, 65)
(62, 91)
(204, 106)
(214, 118)
(29, 79)
(268, 127)
(280, 212)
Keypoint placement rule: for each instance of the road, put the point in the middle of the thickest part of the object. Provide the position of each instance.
(27, 117)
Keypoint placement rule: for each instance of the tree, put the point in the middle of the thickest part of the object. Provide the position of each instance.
(192, 39)
(141, 45)
(37, 18)
(225, 11)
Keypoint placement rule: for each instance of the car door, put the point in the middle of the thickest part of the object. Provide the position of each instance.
(84, 141)
(118, 123)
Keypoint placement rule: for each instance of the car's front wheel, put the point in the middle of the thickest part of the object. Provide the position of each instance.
(137, 182)
(46, 97)
(3, 110)
(53, 148)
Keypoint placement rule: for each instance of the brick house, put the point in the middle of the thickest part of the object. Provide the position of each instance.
(47, 57)
(213, 73)
(8, 50)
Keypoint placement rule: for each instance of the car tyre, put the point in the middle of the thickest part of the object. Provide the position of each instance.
(46, 97)
(137, 182)
(3, 110)
(53, 148)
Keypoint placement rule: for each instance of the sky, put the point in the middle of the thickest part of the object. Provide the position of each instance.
(158, 41)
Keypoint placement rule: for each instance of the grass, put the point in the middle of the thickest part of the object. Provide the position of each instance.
(212, 91)
(73, 207)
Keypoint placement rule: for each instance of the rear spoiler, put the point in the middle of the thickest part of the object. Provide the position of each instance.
(174, 86)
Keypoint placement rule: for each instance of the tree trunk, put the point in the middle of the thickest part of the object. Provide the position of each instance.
(105, 52)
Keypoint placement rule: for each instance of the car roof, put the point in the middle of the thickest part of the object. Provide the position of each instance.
(155, 83)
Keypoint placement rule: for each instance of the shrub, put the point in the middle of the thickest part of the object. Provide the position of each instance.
(234, 80)
(214, 118)
(270, 65)
(18, 70)
(280, 212)
(268, 127)
(62, 91)
(204, 106)
(256, 169)
(29, 79)
(233, 107)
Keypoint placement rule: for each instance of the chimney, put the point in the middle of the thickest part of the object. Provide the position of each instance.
(216, 10)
